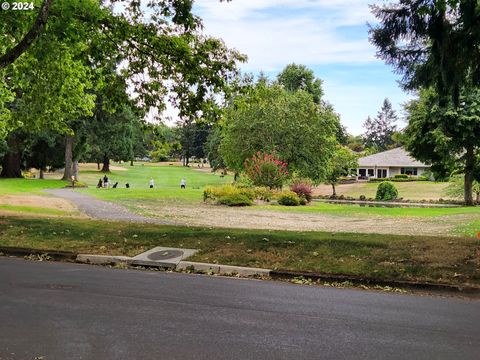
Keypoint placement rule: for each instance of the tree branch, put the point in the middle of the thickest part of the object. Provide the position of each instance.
(14, 53)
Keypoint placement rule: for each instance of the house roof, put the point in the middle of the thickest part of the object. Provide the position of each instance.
(397, 157)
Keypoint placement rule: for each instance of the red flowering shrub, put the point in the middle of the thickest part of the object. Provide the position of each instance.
(266, 170)
(303, 189)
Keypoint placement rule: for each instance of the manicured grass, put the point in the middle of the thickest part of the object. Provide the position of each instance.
(414, 190)
(28, 186)
(33, 210)
(357, 210)
(167, 184)
(437, 259)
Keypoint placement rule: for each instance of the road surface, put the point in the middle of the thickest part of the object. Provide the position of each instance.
(70, 311)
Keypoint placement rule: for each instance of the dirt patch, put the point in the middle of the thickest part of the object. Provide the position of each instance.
(247, 218)
(47, 202)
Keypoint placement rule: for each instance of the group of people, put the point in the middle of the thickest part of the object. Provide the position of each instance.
(103, 183)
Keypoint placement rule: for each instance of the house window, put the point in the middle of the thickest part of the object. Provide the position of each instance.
(362, 172)
(381, 173)
(370, 172)
(409, 171)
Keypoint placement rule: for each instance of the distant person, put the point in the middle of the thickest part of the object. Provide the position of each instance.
(100, 184)
(152, 183)
(127, 185)
(115, 185)
(105, 181)
(183, 184)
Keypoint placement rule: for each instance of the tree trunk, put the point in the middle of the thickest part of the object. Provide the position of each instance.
(131, 162)
(334, 195)
(41, 175)
(98, 166)
(75, 169)
(12, 160)
(469, 169)
(67, 175)
(106, 164)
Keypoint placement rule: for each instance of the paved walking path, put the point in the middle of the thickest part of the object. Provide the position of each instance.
(104, 210)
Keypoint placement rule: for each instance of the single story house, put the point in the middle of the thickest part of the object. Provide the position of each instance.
(389, 163)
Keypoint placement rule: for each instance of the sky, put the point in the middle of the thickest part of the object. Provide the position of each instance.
(328, 36)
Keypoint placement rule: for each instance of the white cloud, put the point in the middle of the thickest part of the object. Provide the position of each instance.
(274, 33)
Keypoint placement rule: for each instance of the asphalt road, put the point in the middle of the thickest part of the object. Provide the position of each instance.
(69, 311)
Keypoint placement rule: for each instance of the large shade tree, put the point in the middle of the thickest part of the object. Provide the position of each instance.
(435, 44)
(159, 54)
(289, 124)
(448, 137)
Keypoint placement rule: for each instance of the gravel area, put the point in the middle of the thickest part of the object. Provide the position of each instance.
(249, 218)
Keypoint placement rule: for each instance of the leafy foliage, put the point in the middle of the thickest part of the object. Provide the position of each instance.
(235, 200)
(343, 163)
(455, 188)
(288, 198)
(298, 77)
(271, 119)
(303, 188)
(266, 170)
(386, 191)
(446, 137)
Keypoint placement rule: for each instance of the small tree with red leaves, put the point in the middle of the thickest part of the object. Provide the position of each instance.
(266, 170)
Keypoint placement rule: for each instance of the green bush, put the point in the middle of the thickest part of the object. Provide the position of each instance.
(216, 192)
(401, 176)
(263, 193)
(235, 200)
(386, 191)
(288, 198)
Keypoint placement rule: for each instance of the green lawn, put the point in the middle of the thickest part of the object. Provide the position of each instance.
(28, 186)
(356, 210)
(167, 184)
(437, 259)
(414, 190)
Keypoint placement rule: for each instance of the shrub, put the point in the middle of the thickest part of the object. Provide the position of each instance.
(401, 176)
(303, 189)
(386, 191)
(244, 181)
(266, 170)
(235, 200)
(363, 197)
(263, 193)
(216, 192)
(288, 198)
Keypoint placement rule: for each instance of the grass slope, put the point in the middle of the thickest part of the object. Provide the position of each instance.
(439, 259)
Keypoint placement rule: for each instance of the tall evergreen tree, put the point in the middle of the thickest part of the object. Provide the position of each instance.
(379, 130)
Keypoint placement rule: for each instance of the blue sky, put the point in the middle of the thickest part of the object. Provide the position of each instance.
(328, 36)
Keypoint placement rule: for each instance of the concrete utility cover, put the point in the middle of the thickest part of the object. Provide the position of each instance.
(163, 256)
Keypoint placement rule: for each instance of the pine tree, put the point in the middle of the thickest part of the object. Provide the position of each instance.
(379, 131)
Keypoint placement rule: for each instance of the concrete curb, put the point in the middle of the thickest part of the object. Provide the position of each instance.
(102, 259)
(222, 269)
(236, 270)
(287, 274)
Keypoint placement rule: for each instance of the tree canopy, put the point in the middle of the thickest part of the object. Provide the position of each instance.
(276, 121)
